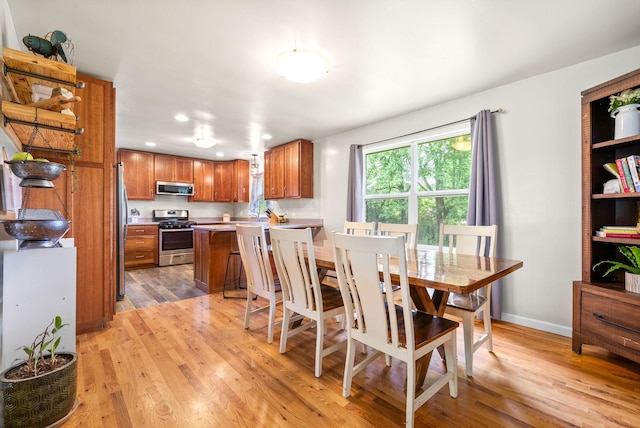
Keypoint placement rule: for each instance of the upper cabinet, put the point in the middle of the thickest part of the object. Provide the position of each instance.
(202, 181)
(288, 171)
(138, 174)
(223, 181)
(241, 180)
(173, 168)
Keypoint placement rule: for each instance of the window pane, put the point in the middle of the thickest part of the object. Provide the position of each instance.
(435, 210)
(444, 164)
(388, 171)
(392, 210)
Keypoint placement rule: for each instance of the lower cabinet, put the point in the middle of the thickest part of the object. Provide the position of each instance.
(141, 246)
(608, 317)
(211, 250)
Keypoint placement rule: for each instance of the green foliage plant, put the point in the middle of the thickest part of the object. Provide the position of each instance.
(48, 340)
(629, 96)
(632, 253)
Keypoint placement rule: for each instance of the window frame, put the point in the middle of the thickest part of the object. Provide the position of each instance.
(413, 141)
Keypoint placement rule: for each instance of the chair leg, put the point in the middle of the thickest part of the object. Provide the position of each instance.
(247, 314)
(487, 327)
(284, 334)
(452, 365)
(467, 331)
(411, 395)
(272, 320)
(320, 331)
(348, 367)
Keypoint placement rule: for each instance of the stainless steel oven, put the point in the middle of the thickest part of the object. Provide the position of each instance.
(175, 243)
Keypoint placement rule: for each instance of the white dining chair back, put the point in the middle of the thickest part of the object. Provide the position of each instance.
(473, 240)
(360, 228)
(254, 251)
(302, 292)
(380, 323)
(408, 231)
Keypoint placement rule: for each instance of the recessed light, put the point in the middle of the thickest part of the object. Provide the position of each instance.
(181, 117)
(150, 143)
(266, 136)
(220, 154)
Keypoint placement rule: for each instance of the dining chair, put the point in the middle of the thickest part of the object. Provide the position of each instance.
(408, 231)
(254, 252)
(474, 240)
(386, 326)
(360, 228)
(302, 292)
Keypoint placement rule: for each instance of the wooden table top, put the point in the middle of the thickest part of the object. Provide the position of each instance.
(454, 273)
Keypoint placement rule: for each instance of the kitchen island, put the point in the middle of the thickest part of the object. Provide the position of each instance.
(213, 242)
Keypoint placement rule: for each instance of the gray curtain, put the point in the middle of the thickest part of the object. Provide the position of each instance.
(482, 209)
(355, 197)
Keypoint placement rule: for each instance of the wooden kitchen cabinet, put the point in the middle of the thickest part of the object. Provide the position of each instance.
(173, 168)
(138, 174)
(288, 171)
(141, 246)
(89, 198)
(241, 180)
(202, 181)
(604, 313)
(223, 181)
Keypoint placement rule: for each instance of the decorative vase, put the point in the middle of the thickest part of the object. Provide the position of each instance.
(627, 121)
(632, 282)
(42, 400)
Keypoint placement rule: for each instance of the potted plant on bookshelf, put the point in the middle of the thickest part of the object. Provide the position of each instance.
(624, 108)
(632, 270)
(40, 391)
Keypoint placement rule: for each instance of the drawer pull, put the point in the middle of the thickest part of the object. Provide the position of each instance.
(139, 257)
(615, 324)
(140, 230)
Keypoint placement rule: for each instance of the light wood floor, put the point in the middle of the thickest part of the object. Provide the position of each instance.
(191, 363)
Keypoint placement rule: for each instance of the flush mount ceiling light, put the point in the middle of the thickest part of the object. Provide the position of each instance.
(301, 66)
(205, 143)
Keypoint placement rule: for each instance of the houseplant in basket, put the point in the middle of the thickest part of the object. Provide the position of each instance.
(41, 390)
(624, 107)
(632, 269)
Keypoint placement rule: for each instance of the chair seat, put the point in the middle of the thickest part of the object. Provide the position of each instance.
(427, 327)
(466, 302)
(331, 297)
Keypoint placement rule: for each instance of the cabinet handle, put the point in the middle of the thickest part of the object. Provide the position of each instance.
(139, 257)
(615, 324)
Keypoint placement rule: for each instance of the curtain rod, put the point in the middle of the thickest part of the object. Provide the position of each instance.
(499, 110)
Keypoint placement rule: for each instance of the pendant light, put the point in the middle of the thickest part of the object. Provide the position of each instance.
(255, 168)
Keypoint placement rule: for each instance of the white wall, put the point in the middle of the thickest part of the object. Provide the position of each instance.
(538, 156)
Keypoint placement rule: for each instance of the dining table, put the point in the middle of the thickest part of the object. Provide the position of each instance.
(432, 276)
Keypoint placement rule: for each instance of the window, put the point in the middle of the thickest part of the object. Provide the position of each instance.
(424, 180)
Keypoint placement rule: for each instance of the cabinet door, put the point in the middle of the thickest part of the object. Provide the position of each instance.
(242, 180)
(298, 169)
(138, 174)
(274, 173)
(223, 181)
(163, 168)
(183, 170)
(202, 181)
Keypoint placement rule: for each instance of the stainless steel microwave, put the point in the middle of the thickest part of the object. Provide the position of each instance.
(169, 188)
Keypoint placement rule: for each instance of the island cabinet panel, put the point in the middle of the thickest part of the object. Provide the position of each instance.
(241, 180)
(202, 181)
(211, 250)
(138, 174)
(223, 181)
(173, 168)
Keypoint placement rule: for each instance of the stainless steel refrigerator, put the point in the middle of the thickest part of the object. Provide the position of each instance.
(121, 229)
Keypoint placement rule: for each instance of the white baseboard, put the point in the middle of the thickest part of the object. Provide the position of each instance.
(538, 325)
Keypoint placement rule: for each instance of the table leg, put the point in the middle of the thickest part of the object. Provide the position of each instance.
(435, 305)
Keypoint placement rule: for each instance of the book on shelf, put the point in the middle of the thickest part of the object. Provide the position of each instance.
(632, 162)
(613, 169)
(623, 179)
(618, 232)
(627, 175)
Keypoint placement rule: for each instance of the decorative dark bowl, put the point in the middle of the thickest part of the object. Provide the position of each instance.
(37, 233)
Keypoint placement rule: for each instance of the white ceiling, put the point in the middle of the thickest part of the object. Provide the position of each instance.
(213, 59)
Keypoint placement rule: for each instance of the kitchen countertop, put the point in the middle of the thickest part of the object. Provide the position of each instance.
(220, 226)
